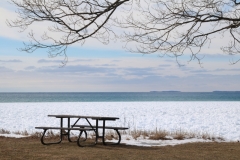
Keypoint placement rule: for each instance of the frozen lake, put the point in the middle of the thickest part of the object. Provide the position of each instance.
(216, 118)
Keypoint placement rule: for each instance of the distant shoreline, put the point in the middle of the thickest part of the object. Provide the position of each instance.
(195, 92)
(165, 91)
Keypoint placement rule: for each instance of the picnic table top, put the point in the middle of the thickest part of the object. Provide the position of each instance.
(80, 116)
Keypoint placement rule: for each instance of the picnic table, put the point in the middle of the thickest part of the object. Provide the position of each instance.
(65, 131)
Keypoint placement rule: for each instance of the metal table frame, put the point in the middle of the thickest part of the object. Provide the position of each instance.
(96, 128)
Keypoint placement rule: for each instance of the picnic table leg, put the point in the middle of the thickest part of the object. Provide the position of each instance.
(97, 136)
(42, 138)
(62, 133)
(69, 125)
(103, 136)
(80, 139)
(61, 125)
(68, 133)
(119, 138)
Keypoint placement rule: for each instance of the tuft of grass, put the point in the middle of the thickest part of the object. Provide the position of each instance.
(207, 136)
(51, 134)
(159, 135)
(17, 132)
(220, 138)
(179, 135)
(25, 133)
(135, 134)
(3, 131)
(110, 135)
(36, 134)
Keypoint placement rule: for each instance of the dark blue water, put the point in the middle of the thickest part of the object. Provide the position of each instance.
(118, 96)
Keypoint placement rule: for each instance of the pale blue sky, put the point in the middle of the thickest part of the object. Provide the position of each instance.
(95, 67)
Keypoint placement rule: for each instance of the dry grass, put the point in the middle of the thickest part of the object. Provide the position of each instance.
(111, 135)
(178, 135)
(3, 131)
(135, 134)
(159, 135)
(36, 134)
(31, 148)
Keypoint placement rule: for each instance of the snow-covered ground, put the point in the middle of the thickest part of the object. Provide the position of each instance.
(220, 119)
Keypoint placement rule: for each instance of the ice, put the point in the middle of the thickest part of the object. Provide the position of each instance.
(215, 118)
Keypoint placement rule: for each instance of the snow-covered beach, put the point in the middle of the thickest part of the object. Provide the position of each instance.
(215, 118)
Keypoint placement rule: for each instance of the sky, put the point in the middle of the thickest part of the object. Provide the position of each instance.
(95, 67)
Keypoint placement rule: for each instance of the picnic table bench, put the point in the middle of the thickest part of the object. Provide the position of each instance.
(106, 127)
(82, 128)
(61, 134)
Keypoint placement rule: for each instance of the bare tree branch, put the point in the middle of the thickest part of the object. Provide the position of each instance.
(75, 20)
(169, 27)
(183, 26)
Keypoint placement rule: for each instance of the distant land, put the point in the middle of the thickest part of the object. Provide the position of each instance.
(165, 91)
(181, 91)
(226, 91)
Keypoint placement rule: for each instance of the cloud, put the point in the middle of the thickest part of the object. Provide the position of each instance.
(4, 69)
(107, 65)
(100, 71)
(165, 65)
(199, 71)
(139, 71)
(219, 70)
(30, 68)
(76, 69)
(11, 61)
(226, 70)
(237, 69)
(116, 60)
(83, 60)
(96, 78)
(49, 61)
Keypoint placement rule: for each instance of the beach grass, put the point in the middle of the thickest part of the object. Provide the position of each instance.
(4, 131)
(171, 135)
(135, 134)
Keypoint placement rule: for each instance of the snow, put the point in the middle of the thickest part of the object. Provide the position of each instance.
(12, 135)
(150, 143)
(220, 119)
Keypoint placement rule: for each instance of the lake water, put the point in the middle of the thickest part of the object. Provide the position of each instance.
(118, 96)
